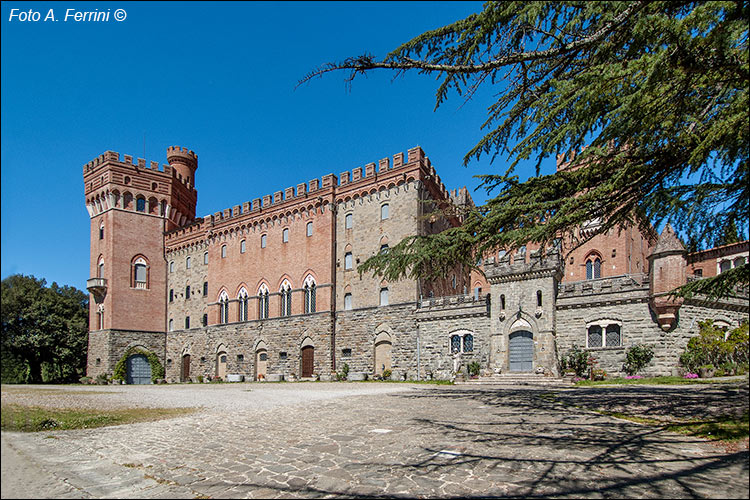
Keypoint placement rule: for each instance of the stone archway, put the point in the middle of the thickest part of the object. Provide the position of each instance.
(138, 369)
(261, 360)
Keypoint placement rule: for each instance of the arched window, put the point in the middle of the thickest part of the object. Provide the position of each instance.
(205, 257)
(347, 301)
(242, 298)
(171, 294)
(285, 235)
(725, 266)
(187, 292)
(502, 302)
(223, 308)
(348, 260)
(205, 288)
(594, 336)
(384, 296)
(286, 298)
(187, 322)
(140, 204)
(223, 251)
(187, 263)
(101, 231)
(100, 268)
(384, 248)
(171, 266)
(242, 246)
(263, 302)
(613, 336)
(539, 298)
(455, 343)
(348, 221)
(140, 273)
(384, 211)
(309, 228)
(171, 325)
(263, 241)
(468, 343)
(309, 294)
(593, 267)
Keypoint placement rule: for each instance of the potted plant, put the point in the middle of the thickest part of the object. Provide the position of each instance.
(706, 371)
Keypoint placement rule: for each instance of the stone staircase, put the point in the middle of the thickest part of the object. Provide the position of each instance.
(516, 379)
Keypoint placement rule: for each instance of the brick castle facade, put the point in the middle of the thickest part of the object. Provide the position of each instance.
(270, 288)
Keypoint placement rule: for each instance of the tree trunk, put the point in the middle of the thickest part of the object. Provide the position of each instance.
(35, 371)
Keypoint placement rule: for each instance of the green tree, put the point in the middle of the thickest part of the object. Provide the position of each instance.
(44, 327)
(654, 95)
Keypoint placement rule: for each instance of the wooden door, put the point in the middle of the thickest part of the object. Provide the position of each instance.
(308, 359)
(261, 364)
(221, 366)
(521, 351)
(185, 367)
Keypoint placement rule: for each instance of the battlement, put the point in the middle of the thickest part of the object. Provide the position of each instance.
(114, 156)
(523, 265)
(177, 154)
(193, 227)
(622, 283)
(257, 205)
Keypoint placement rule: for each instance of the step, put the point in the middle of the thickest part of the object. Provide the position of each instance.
(513, 379)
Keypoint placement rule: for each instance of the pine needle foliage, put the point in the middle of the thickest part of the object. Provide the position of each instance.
(654, 95)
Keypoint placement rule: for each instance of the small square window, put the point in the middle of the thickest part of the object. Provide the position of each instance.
(240, 357)
(346, 353)
(282, 355)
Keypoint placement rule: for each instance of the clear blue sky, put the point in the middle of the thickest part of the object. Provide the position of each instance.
(220, 79)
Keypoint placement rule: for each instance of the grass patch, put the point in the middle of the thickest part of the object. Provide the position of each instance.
(22, 418)
(653, 381)
(723, 428)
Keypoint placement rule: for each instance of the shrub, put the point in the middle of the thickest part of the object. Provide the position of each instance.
(101, 379)
(343, 373)
(387, 374)
(637, 357)
(200, 379)
(85, 380)
(577, 360)
(473, 368)
(710, 348)
(157, 370)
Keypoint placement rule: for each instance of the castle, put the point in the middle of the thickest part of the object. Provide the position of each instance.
(269, 289)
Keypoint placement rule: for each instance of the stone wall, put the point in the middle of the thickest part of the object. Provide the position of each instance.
(438, 320)
(106, 347)
(625, 300)
(357, 329)
(179, 278)
(365, 238)
(241, 340)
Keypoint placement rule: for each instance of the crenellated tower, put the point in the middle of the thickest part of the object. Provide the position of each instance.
(131, 206)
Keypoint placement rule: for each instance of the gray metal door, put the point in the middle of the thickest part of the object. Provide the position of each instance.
(139, 370)
(521, 351)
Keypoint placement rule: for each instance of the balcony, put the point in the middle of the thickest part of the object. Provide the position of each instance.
(97, 287)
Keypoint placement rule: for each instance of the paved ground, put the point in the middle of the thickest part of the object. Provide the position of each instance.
(362, 440)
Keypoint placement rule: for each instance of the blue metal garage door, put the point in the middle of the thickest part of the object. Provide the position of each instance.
(139, 370)
(521, 351)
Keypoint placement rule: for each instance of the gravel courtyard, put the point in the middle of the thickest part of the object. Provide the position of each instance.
(371, 440)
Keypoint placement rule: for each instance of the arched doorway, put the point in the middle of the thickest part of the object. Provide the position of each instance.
(185, 367)
(261, 363)
(221, 365)
(383, 347)
(308, 361)
(138, 369)
(521, 351)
